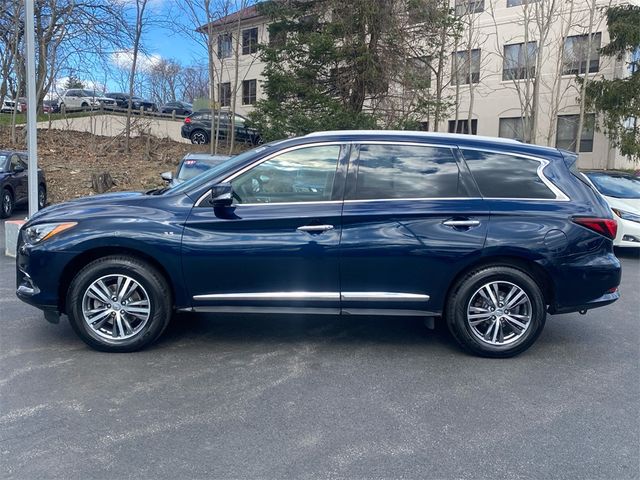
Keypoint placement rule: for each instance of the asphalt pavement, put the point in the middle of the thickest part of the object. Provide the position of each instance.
(244, 397)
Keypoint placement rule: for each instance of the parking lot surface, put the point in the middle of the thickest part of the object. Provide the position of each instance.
(320, 397)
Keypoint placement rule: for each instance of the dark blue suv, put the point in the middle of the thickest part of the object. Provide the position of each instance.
(488, 234)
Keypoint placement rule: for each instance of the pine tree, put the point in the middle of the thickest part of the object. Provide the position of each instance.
(618, 100)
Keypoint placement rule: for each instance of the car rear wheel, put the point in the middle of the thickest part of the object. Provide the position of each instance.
(496, 311)
(119, 304)
(6, 209)
(42, 196)
(199, 137)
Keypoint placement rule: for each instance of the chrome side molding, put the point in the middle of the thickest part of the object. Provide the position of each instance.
(316, 296)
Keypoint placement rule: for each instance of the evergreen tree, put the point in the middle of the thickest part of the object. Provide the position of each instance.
(618, 100)
(331, 64)
(73, 82)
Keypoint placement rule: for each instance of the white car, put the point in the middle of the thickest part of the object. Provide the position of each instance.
(621, 190)
(9, 105)
(79, 98)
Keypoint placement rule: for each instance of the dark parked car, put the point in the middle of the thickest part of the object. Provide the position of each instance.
(181, 108)
(50, 106)
(14, 182)
(489, 234)
(122, 101)
(191, 165)
(197, 128)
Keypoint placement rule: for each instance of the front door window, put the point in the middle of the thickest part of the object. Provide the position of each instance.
(302, 175)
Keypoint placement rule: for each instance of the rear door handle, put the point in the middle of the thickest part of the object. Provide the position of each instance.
(315, 228)
(461, 223)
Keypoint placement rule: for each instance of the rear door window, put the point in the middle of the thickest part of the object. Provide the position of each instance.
(504, 175)
(407, 171)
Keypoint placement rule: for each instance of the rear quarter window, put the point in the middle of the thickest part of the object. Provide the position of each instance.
(504, 175)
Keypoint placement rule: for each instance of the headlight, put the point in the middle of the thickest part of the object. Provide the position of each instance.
(44, 231)
(633, 217)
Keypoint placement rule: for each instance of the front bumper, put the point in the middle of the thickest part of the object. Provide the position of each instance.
(38, 274)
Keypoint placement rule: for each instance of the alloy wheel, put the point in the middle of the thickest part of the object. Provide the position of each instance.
(499, 313)
(7, 203)
(116, 307)
(198, 138)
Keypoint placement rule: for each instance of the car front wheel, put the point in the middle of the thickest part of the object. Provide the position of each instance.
(119, 304)
(6, 208)
(496, 311)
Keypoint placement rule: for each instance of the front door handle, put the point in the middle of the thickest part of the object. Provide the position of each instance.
(315, 228)
(461, 223)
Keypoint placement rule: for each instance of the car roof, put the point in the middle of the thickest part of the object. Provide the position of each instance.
(611, 173)
(10, 152)
(205, 156)
(461, 140)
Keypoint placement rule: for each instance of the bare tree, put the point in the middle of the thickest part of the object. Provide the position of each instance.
(136, 33)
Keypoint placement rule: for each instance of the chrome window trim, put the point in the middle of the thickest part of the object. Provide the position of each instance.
(269, 157)
(560, 195)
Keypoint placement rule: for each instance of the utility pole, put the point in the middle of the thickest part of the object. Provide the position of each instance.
(32, 108)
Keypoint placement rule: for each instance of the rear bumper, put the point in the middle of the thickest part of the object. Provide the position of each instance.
(604, 300)
(586, 282)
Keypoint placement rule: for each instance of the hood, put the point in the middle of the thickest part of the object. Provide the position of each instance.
(79, 206)
(631, 205)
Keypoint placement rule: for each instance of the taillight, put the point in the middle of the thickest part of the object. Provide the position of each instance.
(604, 226)
(187, 120)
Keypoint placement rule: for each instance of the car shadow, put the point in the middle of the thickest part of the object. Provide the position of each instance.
(273, 329)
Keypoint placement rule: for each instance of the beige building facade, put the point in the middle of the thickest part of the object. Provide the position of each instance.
(506, 44)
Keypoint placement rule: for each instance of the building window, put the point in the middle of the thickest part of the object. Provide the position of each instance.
(464, 7)
(418, 74)
(225, 94)
(249, 92)
(466, 67)
(250, 41)
(277, 38)
(577, 59)
(515, 3)
(519, 61)
(518, 128)
(567, 132)
(462, 126)
(225, 45)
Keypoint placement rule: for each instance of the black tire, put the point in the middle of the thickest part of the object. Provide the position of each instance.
(155, 285)
(465, 290)
(6, 203)
(199, 137)
(42, 196)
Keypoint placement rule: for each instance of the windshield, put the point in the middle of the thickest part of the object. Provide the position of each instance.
(3, 162)
(192, 168)
(215, 171)
(618, 186)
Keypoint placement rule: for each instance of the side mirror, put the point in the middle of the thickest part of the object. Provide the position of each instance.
(18, 169)
(167, 176)
(222, 195)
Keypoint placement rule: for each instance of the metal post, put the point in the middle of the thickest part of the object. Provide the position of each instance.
(32, 108)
